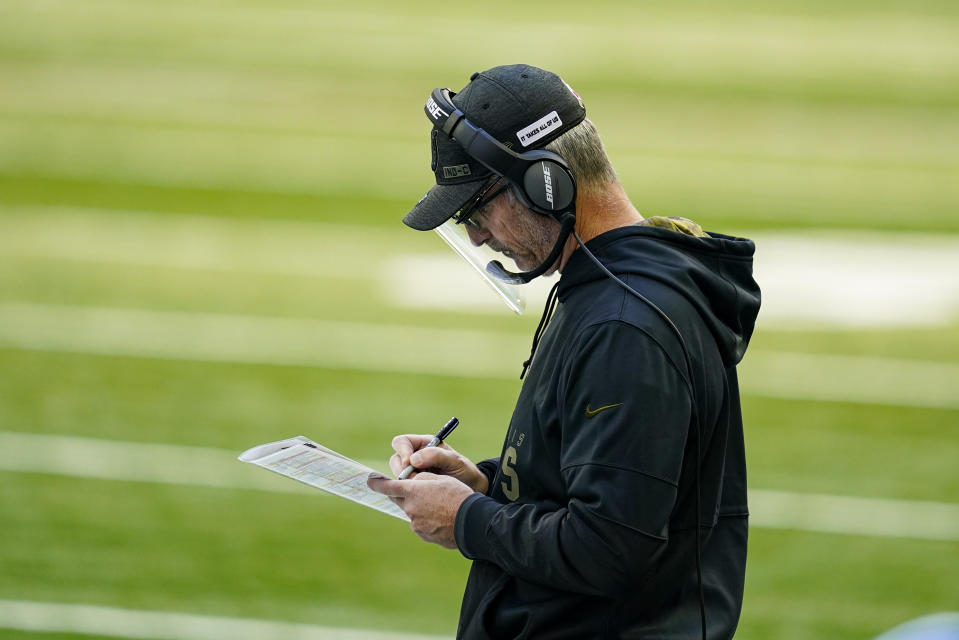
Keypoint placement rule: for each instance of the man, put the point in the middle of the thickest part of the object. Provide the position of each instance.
(629, 416)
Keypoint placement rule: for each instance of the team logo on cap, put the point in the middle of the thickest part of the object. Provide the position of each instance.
(573, 91)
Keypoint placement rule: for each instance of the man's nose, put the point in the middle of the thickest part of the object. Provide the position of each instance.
(477, 235)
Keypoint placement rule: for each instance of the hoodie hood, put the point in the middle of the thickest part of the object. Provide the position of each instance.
(713, 271)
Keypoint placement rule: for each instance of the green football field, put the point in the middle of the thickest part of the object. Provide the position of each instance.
(201, 251)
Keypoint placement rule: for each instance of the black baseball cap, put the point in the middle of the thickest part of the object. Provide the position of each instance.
(511, 103)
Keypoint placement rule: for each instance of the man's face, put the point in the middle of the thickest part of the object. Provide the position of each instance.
(507, 227)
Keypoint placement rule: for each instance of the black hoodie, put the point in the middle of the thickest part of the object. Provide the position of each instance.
(588, 530)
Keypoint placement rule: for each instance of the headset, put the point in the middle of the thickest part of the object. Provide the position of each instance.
(540, 179)
(543, 182)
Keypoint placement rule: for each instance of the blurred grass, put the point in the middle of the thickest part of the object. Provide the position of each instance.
(894, 452)
(765, 115)
(236, 406)
(255, 554)
(9, 634)
(826, 586)
(833, 447)
(926, 343)
(297, 565)
(745, 116)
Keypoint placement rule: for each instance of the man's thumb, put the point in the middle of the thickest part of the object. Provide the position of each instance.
(434, 458)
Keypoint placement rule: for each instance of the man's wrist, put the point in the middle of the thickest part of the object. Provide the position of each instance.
(488, 468)
(482, 484)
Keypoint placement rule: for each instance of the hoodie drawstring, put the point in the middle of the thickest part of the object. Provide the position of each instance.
(548, 310)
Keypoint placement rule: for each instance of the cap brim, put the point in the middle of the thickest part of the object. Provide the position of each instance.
(439, 204)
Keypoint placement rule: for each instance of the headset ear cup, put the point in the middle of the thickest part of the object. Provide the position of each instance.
(564, 189)
(549, 187)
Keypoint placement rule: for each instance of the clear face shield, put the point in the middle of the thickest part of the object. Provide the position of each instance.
(455, 232)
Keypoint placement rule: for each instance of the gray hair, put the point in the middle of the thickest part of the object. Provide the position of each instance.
(583, 151)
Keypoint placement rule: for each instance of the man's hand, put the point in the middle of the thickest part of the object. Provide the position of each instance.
(431, 502)
(440, 460)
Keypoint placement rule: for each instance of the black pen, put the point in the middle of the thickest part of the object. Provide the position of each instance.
(437, 439)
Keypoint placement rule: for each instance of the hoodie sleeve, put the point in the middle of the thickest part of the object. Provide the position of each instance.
(624, 419)
(488, 468)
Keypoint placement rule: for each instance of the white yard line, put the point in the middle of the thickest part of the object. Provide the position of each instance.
(180, 241)
(879, 517)
(863, 379)
(138, 462)
(209, 337)
(53, 617)
(413, 269)
(812, 279)
(834, 279)
(199, 466)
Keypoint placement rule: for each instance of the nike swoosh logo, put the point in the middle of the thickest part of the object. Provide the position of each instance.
(592, 412)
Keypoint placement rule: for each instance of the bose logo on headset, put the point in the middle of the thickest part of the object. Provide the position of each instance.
(548, 182)
(434, 109)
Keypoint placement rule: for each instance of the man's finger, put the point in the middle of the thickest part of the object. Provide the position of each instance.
(436, 458)
(396, 464)
(409, 442)
(386, 486)
(403, 446)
